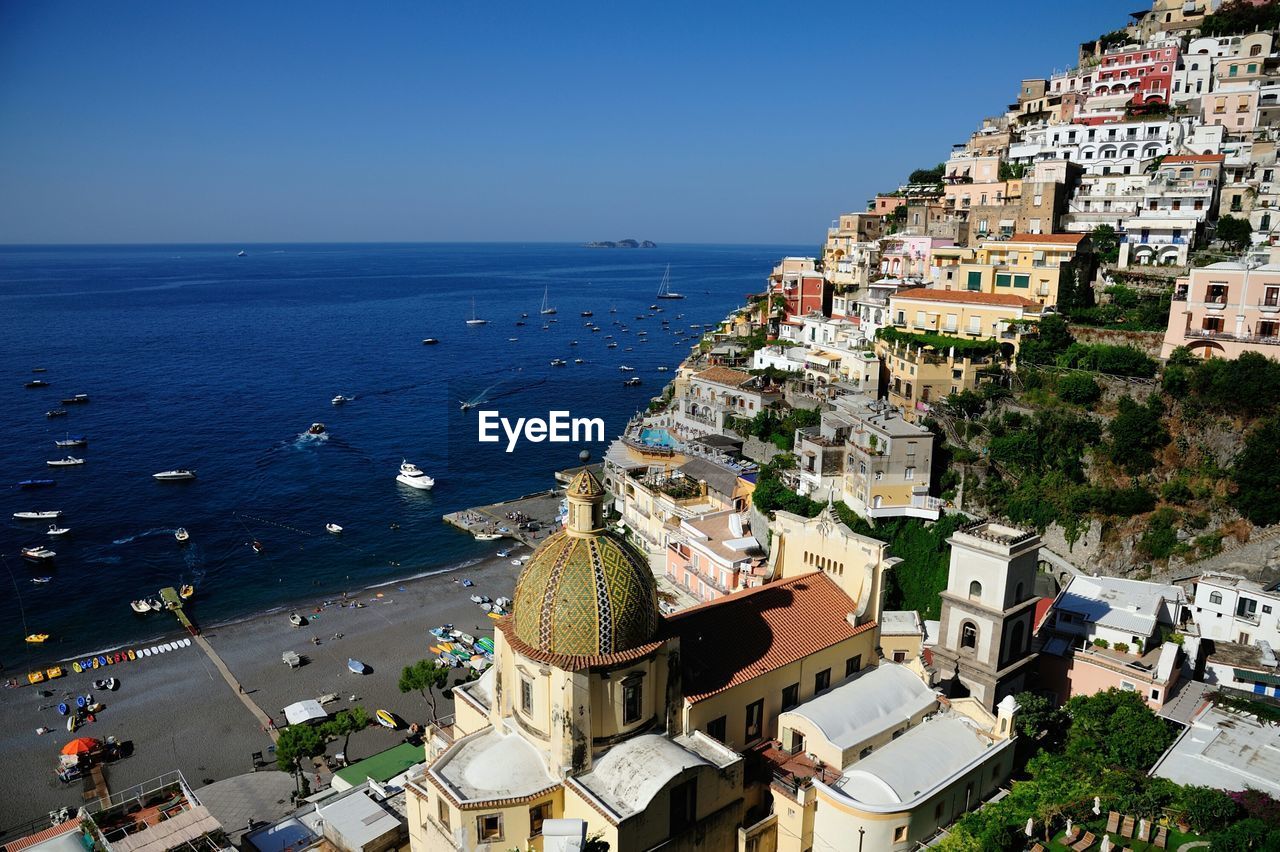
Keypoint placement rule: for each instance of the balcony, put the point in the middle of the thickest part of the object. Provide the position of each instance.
(1207, 334)
(1269, 307)
(1156, 240)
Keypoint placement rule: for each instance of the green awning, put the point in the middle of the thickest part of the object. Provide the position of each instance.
(1256, 677)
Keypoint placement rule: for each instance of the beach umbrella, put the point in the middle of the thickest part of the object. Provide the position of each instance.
(1031, 826)
(81, 745)
(1097, 805)
(1106, 843)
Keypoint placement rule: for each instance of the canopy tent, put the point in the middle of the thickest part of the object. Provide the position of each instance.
(301, 712)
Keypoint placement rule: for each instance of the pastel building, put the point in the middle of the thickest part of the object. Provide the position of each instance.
(718, 394)
(1229, 608)
(1032, 266)
(800, 288)
(715, 554)
(967, 314)
(1224, 309)
(1143, 72)
(1176, 203)
(908, 256)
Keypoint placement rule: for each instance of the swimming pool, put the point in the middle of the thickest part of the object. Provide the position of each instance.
(657, 437)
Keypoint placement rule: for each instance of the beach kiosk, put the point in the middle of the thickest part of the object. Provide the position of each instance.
(302, 712)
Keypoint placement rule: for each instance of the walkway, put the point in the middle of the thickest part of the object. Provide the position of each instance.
(263, 719)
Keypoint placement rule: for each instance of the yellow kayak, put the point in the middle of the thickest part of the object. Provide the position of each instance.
(56, 671)
(186, 591)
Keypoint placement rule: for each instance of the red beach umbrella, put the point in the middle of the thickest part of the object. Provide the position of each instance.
(80, 745)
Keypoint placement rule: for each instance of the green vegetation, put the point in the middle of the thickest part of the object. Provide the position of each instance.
(1011, 171)
(1128, 310)
(777, 427)
(964, 347)
(1106, 243)
(1078, 389)
(1215, 384)
(1136, 432)
(1055, 346)
(933, 175)
(1237, 17)
(1256, 473)
(426, 677)
(1234, 233)
(1115, 38)
(296, 743)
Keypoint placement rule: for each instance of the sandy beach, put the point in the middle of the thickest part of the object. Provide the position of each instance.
(180, 713)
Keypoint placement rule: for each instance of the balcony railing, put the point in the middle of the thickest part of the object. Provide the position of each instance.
(1208, 334)
(1154, 241)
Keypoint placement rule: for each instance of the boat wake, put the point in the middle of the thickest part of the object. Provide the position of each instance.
(132, 538)
(306, 438)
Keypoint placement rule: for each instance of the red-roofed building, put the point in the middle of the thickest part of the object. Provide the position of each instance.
(1145, 73)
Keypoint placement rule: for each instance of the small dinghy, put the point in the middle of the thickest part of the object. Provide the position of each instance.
(356, 666)
(186, 591)
(73, 722)
(429, 341)
(37, 638)
(333, 528)
(155, 605)
(69, 461)
(296, 620)
(386, 720)
(256, 545)
(182, 535)
(41, 580)
(140, 606)
(37, 483)
(55, 530)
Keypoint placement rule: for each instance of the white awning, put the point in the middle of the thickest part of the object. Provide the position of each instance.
(304, 711)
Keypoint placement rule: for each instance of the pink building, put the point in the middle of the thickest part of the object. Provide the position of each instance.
(1224, 309)
(1144, 73)
(715, 555)
(909, 256)
(802, 288)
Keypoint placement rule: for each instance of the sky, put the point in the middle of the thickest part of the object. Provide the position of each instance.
(744, 122)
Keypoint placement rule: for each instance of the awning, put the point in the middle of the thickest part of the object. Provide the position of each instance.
(304, 711)
(1255, 677)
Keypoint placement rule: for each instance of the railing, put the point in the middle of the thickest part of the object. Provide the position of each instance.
(1154, 241)
(1208, 334)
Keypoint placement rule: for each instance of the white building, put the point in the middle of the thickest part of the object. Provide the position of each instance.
(1225, 750)
(1118, 611)
(1232, 609)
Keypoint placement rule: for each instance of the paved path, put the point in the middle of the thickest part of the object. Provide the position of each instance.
(1194, 844)
(264, 720)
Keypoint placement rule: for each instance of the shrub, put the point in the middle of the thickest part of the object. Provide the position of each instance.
(1078, 389)
(1176, 491)
(1136, 432)
(1160, 538)
(1205, 808)
(1256, 474)
(1122, 647)
(1101, 643)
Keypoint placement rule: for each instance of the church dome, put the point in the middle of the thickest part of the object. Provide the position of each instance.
(585, 593)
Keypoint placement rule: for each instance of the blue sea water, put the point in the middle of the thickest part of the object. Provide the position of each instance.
(194, 357)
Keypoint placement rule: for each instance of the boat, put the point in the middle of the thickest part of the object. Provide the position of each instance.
(69, 461)
(333, 528)
(467, 406)
(36, 383)
(412, 476)
(38, 553)
(546, 309)
(587, 314)
(386, 720)
(154, 604)
(140, 606)
(78, 399)
(36, 483)
(578, 361)
(177, 475)
(296, 620)
(41, 580)
(107, 684)
(663, 369)
(557, 362)
(256, 545)
(338, 400)
(73, 722)
(519, 322)
(612, 346)
(240, 253)
(487, 536)
(356, 666)
(182, 535)
(632, 382)
(474, 319)
(186, 590)
(57, 412)
(37, 638)
(315, 429)
(54, 529)
(624, 368)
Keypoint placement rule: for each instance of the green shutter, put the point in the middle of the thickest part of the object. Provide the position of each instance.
(1002, 279)
(975, 280)
(1023, 281)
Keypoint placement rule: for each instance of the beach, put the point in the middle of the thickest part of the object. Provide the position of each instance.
(180, 713)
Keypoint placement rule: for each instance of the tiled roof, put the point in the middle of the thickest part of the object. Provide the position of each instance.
(1193, 158)
(1066, 239)
(731, 640)
(723, 376)
(572, 662)
(40, 837)
(965, 297)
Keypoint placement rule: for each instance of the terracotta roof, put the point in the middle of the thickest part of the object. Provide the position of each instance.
(731, 640)
(1065, 239)
(1193, 158)
(40, 837)
(965, 297)
(723, 376)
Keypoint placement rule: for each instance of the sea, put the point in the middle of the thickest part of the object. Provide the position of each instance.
(196, 357)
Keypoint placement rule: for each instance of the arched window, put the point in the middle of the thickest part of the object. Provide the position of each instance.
(1215, 597)
(975, 590)
(968, 635)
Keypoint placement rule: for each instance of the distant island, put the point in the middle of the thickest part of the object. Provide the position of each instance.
(623, 244)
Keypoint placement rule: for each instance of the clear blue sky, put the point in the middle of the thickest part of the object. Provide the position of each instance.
(323, 121)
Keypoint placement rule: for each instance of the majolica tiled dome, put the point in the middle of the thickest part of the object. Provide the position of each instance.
(585, 593)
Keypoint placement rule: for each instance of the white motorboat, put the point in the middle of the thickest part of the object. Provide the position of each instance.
(181, 534)
(296, 620)
(72, 441)
(333, 528)
(557, 362)
(546, 307)
(140, 606)
(51, 515)
(69, 461)
(474, 319)
(339, 399)
(154, 604)
(412, 476)
(632, 382)
(663, 369)
(38, 553)
(177, 475)
(487, 536)
(316, 429)
(54, 529)
(624, 368)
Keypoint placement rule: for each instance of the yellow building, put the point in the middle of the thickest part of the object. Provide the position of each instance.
(964, 314)
(1033, 266)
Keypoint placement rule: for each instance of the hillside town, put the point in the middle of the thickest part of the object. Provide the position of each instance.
(924, 546)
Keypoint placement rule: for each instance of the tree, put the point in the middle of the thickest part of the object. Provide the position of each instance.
(1106, 243)
(1079, 389)
(1039, 718)
(933, 175)
(1235, 233)
(426, 676)
(345, 724)
(1256, 474)
(1205, 808)
(1136, 432)
(1116, 728)
(296, 743)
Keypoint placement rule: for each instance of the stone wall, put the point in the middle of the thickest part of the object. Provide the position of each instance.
(1147, 341)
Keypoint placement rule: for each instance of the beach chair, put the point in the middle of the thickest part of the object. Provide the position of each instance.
(1085, 842)
(1162, 838)
(1113, 822)
(1073, 835)
(1126, 827)
(1144, 832)
(1037, 848)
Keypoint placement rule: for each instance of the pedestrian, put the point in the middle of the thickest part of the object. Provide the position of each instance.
(241, 688)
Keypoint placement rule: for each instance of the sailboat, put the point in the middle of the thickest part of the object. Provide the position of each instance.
(664, 289)
(474, 319)
(546, 307)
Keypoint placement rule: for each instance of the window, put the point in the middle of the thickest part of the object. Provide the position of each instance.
(968, 635)
(1127, 687)
(632, 703)
(975, 325)
(862, 755)
(899, 656)
(790, 696)
(526, 696)
(1215, 597)
(442, 812)
(854, 664)
(975, 590)
(1023, 281)
(489, 827)
(755, 720)
(684, 806)
(716, 729)
(900, 834)
(822, 680)
(974, 281)
(1003, 279)
(537, 815)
